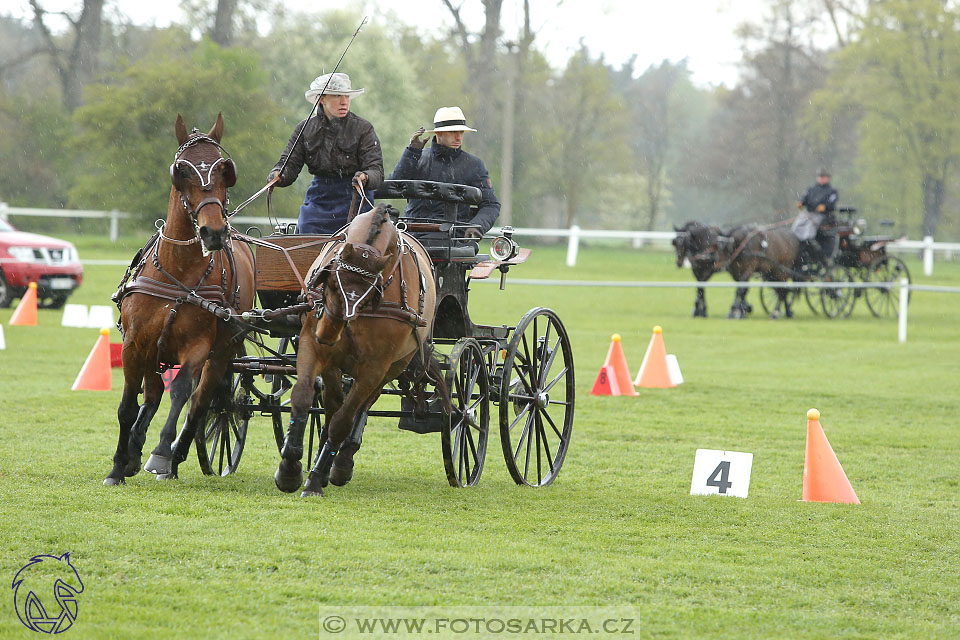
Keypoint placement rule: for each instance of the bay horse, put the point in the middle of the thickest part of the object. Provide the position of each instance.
(749, 249)
(190, 259)
(697, 242)
(377, 298)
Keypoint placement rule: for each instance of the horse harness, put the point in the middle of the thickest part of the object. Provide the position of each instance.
(204, 171)
(376, 285)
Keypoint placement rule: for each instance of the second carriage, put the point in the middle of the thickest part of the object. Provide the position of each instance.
(525, 370)
(858, 258)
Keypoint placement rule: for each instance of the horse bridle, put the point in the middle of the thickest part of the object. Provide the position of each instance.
(206, 181)
(375, 281)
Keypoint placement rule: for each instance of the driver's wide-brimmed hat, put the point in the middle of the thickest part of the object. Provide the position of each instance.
(449, 119)
(331, 84)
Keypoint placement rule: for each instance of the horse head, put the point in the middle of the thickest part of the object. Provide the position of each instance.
(355, 278)
(201, 176)
(696, 242)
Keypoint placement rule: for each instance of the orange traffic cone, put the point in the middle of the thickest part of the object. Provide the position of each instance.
(654, 372)
(95, 374)
(26, 313)
(606, 383)
(823, 477)
(616, 368)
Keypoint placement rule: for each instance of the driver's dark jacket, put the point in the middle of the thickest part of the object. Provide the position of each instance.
(444, 164)
(819, 194)
(334, 148)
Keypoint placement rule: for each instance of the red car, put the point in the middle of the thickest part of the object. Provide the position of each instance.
(27, 257)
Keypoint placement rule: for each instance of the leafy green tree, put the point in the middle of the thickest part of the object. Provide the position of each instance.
(125, 142)
(901, 74)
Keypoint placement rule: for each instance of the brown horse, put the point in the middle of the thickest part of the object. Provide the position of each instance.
(191, 259)
(378, 302)
(697, 242)
(770, 251)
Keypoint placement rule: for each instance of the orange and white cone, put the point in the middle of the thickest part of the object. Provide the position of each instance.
(614, 376)
(26, 312)
(654, 371)
(96, 374)
(823, 477)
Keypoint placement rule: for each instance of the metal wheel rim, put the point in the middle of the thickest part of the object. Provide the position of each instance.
(836, 302)
(223, 435)
(524, 416)
(464, 437)
(885, 303)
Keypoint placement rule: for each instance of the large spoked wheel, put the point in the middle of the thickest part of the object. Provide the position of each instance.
(537, 397)
(464, 438)
(769, 299)
(885, 301)
(280, 388)
(836, 302)
(221, 438)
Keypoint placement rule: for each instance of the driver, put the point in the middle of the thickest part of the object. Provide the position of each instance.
(340, 149)
(817, 206)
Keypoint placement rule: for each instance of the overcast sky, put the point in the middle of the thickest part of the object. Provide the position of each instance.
(700, 30)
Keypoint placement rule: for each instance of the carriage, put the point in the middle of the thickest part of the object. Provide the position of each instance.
(525, 370)
(859, 258)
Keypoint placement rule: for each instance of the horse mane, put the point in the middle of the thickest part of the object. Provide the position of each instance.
(376, 222)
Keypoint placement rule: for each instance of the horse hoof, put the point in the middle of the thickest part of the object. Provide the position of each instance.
(342, 471)
(313, 486)
(168, 476)
(113, 482)
(340, 477)
(158, 464)
(775, 315)
(309, 494)
(132, 468)
(288, 480)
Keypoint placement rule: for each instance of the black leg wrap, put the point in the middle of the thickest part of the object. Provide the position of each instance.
(320, 474)
(293, 443)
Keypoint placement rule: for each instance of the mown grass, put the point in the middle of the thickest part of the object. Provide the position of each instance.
(232, 557)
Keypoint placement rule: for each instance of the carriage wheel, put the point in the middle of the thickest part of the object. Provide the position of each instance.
(280, 394)
(221, 437)
(537, 397)
(769, 299)
(836, 302)
(464, 438)
(885, 302)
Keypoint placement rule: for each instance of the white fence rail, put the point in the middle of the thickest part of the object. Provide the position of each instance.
(574, 234)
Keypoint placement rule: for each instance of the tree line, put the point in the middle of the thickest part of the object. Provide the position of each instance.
(868, 88)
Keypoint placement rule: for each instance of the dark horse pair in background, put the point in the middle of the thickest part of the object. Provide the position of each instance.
(744, 250)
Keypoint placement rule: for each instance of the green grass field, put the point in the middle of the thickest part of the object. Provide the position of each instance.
(234, 558)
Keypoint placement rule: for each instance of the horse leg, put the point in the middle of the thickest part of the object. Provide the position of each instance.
(152, 393)
(700, 306)
(213, 376)
(128, 415)
(160, 461)
(289, 474)
(736, 309)
(363, 394)
(342, 471)
(785, 296)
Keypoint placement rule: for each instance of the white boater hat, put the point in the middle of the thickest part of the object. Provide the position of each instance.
(337, 84)
(449, 119)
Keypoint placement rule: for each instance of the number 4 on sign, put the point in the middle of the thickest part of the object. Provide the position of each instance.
(724, 473)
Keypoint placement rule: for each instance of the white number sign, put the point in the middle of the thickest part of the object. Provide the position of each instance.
(725, 473)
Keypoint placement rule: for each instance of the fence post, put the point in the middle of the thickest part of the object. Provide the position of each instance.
(928, 256)
(3, 211)
(573, 245)
(114, 216)
(904, 302)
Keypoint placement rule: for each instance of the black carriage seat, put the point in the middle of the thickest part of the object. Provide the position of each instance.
(437, 236)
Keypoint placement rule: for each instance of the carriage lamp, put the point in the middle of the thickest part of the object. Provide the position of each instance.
(504, 247)
(860, 226)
